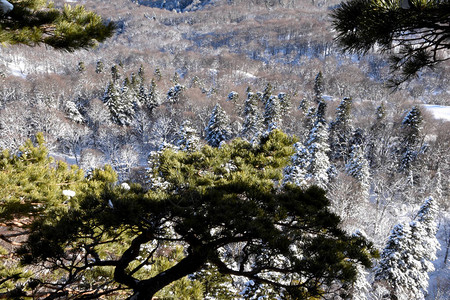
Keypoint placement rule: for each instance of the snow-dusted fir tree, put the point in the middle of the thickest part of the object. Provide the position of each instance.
(72, 112)
(296, 171)
(318, 87)
(427, 217)
(285, 103)
(272, 113)
(153, 98)
(408, 256)
(318, 148)
(392, 270)
(412, 126)
(218, 128)
(188, 139)
(174, 93)
(358, 167)
(266, 94)
(252, 125)
(341, 130)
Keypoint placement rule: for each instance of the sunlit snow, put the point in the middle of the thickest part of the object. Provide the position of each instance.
(439, 111)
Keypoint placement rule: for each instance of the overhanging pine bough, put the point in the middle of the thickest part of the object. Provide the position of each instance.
(416, 33)
(36, 22)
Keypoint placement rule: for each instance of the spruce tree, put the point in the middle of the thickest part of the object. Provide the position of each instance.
(218, 128)
(37, 22)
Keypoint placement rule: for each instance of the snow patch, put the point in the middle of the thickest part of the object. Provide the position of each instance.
(439, 111)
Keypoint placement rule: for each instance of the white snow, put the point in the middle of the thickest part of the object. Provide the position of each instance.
(439, 111)
(68, 193)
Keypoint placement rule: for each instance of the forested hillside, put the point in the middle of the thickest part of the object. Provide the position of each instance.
(244, 102)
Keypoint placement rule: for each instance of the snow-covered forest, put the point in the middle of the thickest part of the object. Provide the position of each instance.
(179, 75)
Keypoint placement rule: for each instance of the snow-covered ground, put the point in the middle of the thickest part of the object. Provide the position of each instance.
(439, 111)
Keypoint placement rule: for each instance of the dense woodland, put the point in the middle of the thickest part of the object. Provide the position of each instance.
(179, 101)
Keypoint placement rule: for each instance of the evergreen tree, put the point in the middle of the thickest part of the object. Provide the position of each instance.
(285, 103)
(341, 131)
(188, 139)
(153, 98)
(406, 260)
(215, 200)
(395, 25)
(411, 126)
(318, 87)
(99, 67)
(296, 172)
(358, 167)
(73, 113)
(174, 93)
(375, 135)
(252, 125)
(218, 128)
(266, 94)
(318, 148)
(272, 113)
(38, 22)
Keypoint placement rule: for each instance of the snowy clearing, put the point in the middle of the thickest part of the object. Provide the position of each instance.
(439, 111)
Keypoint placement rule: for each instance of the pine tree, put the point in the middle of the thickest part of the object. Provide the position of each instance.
(38, 22)
(266, 94)
(218, 128)
(252, 125)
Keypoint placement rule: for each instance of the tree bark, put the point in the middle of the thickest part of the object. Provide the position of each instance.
(146, 289)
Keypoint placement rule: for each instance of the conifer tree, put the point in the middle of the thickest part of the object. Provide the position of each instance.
(174, 93)
(99, 67)
(37, 22)
(318, 87)
(285, 103)
(218, 128)
(341, 131)
(153, 98)
(406, 259)
(252, 125)
(297, 171)
(358, 167)
(318, 148)
(188, 139)
(215, 200)
(266, 94)
(272, 113)
(411, 126)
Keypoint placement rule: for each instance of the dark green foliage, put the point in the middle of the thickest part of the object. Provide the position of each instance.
(215, 200)
(419, 29)
(37, 22)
